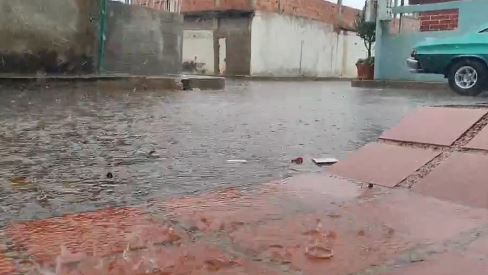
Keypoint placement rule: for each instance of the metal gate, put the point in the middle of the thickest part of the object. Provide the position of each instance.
(173, 6)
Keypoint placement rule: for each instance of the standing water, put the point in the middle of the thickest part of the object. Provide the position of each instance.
(69, 151)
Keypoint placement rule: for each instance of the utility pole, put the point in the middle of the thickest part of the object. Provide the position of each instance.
(338, 22)
(102, 34)
(339, 7)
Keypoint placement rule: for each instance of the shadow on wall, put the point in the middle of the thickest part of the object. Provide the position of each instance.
(194, 67)
(48, 37)
(62, 37)
(46, 62)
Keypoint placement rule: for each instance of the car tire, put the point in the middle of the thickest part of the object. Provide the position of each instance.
(468, 77)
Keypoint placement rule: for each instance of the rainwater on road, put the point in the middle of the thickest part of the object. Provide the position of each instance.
(68, 151)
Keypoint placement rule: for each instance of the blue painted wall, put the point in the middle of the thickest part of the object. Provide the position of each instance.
(393, 48)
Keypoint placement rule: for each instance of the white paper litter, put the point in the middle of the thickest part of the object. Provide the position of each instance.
(324, 161)
(236, 161)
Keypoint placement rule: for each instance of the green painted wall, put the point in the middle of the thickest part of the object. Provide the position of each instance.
(393, 48)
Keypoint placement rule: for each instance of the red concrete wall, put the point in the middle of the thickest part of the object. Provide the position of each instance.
(216, 5)
(439, 20)
(268, 5)
(319, 10)
(349, 16)
(198, 5)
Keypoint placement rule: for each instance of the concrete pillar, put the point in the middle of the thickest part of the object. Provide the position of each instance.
(253, 4)
(378, 43)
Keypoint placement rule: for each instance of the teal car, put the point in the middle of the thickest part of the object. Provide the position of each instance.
(463, 60)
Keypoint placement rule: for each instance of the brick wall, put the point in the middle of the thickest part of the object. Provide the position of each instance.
(439, 20)
(216, 5)
(416, 2)
(164, 5)
(319, 10)
(444, 20)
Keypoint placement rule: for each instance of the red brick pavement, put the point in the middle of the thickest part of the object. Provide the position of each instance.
(6, 266)
(480, 141)
(289, 227)
(97, 234)
(195, 258)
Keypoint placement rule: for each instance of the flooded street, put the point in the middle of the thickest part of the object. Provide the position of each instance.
(70, 151)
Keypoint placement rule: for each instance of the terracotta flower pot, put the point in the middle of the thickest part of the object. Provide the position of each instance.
(365, 71)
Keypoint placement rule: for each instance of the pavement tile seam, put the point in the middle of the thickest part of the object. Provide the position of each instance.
(479, 142)
(460, 179)
(471, 133)
(474, 150)
(463, 140)
(416, 145)
(421, 126)
(459, 145)
(384, 164)
(424, 171)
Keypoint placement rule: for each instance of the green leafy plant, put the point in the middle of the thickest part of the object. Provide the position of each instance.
(369, 61)
(367, 32)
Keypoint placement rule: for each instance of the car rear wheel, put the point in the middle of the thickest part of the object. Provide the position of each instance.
(468, 77)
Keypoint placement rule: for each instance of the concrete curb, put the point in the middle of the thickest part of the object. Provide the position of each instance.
(290, 78)
(112, 82)
(203, 83)
(374, 84)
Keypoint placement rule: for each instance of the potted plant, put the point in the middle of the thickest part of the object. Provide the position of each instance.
(367, 31)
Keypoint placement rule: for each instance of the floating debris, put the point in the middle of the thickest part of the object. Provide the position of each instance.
(42, 197)
(110, 175)
(334, 216)
(153, 154)
(325, 161)
(298, 160)
(319, 252)
(20, 181)
(236, 161)
(415, 257)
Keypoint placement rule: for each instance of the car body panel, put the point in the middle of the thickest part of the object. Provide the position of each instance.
(436, 55)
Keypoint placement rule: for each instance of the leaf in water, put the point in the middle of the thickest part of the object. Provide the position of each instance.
(20, 181)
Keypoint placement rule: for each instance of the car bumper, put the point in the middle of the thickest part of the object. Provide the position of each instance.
(414, 65)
